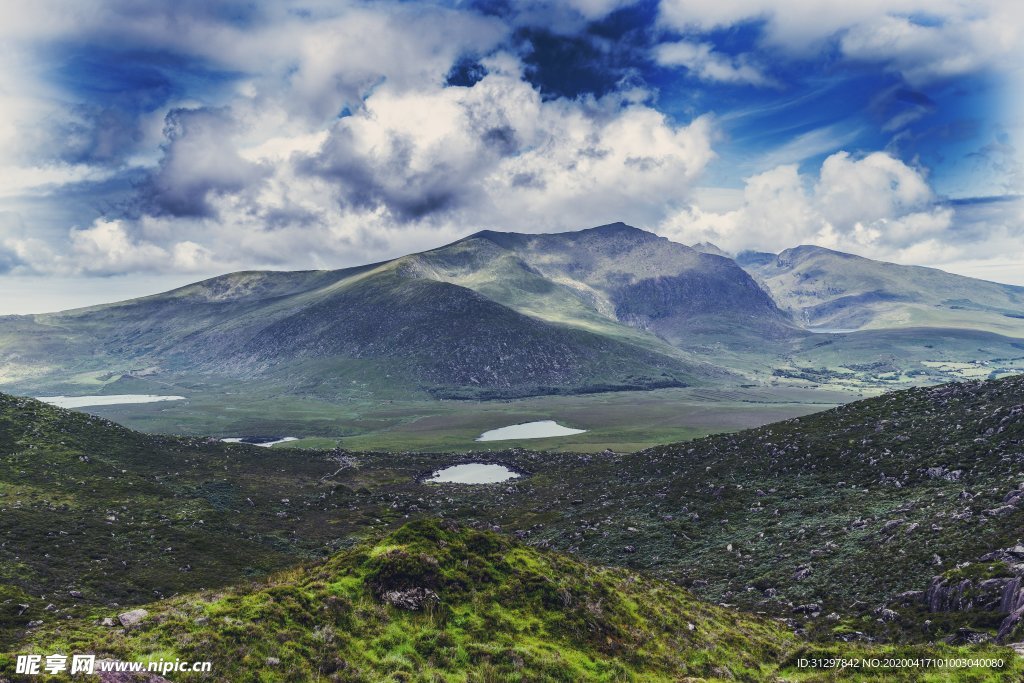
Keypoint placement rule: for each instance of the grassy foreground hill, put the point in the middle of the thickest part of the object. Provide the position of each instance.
(435, 602)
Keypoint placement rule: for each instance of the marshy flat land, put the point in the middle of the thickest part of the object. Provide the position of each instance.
(620, 421)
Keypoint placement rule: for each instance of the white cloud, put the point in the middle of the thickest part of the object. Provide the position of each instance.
(18, 180)
(705, 63)
(107, 247)
(922, 53)
(875, 206)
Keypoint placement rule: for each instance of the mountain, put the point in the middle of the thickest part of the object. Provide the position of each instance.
(822, 288)
(501, 315)
(494, 315)
(612, 276)
(435, 601)
(709, 248)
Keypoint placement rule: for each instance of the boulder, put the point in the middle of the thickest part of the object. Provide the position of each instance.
(132, 617)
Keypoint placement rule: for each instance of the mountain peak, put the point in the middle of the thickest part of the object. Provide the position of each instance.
(608, 231)
(617, 228)
(805, 250)
(708, 248)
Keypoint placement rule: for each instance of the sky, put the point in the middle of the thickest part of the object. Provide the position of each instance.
(148, 144)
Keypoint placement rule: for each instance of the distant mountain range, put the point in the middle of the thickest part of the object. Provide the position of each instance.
(830, 289)
(501, 315)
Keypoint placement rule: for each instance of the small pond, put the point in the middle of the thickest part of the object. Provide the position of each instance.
(473, 473)
(529, 430)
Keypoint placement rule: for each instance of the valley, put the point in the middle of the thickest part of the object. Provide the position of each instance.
(621, 421)
(822, 521)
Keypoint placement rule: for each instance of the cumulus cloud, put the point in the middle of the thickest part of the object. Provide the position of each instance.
(497, 154)
(436, 164)
(922, 52)
(330, 134)
(107, 247)
(874, 205)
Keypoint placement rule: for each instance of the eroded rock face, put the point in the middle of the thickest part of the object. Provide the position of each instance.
(1000, 588)
(1013, 605)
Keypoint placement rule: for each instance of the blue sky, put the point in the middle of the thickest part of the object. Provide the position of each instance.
(148, 144)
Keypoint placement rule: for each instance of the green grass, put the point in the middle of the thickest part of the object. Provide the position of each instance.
(505, 611)
(621, 421)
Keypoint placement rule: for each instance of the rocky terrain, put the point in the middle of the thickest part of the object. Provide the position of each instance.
(838, 522)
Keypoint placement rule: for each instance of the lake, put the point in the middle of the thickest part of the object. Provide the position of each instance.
(473, 473)
(110, 400)
(258, 441)
(529, 430)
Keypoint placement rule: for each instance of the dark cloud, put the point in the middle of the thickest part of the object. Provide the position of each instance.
(502, 139)
(9, 261)
(385, 178)
(200, 160)
(528, 180)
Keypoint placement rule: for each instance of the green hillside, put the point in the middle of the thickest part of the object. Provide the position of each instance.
(435, 602)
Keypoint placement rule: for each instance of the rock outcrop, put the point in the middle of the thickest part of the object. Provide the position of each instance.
(996, 584)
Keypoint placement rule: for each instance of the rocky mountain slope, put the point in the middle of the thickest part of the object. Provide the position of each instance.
(616, 272)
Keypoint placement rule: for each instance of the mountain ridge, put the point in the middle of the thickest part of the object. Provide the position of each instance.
(608, 308)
